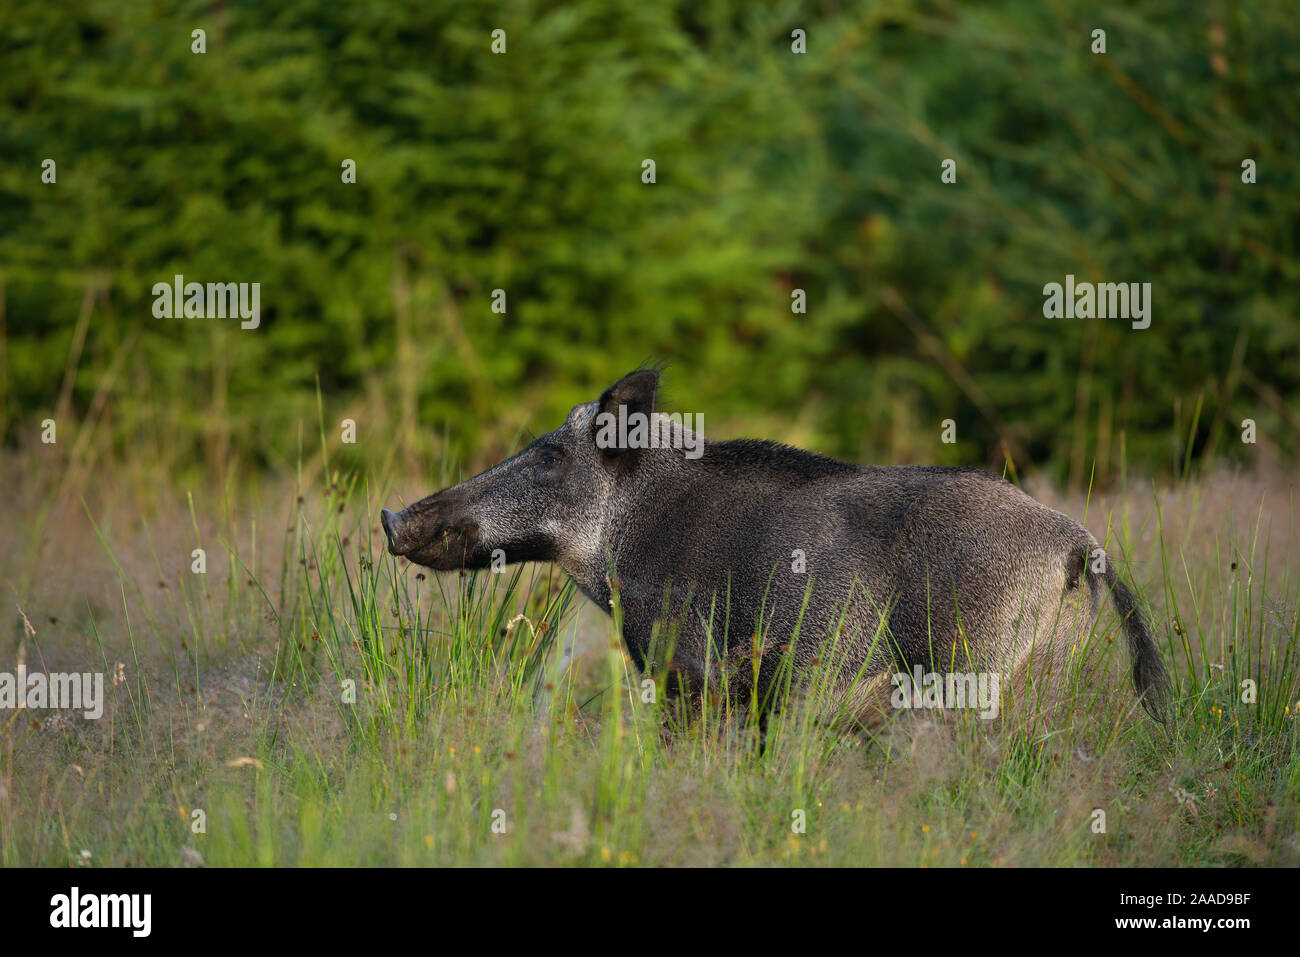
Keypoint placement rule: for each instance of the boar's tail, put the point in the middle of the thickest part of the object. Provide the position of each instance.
(1149, 675)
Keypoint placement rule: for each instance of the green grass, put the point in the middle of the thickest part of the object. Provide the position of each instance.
(473, 739)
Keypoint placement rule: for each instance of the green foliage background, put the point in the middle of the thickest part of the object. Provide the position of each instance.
(523, 172)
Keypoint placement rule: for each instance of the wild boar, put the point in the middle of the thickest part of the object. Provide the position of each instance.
(732, 557)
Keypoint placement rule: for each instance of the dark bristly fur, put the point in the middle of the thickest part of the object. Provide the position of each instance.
(1149, 675)
(935, 566)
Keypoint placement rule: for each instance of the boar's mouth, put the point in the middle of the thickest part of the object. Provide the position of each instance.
(449, 549)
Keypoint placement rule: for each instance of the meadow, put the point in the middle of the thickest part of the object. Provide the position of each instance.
(494, 719)
(848, 244)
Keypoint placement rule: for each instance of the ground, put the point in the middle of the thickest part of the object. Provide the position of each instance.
(229, 738)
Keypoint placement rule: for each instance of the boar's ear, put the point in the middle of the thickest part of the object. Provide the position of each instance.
(635, 391)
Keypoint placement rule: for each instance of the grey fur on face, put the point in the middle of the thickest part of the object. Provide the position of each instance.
(888, 567)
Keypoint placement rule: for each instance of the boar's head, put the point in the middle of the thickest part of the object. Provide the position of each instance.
(550, 502)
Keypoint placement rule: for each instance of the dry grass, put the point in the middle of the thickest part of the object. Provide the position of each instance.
(227, 701)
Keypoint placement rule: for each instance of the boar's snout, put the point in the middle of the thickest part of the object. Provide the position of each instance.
(391, 529)
(433, 533)
(395, 531)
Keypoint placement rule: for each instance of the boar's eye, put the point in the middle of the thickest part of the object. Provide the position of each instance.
(548, 458)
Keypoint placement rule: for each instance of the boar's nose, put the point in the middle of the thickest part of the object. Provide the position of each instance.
(392, 522)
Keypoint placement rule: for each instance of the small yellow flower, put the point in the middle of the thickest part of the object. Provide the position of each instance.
(428, 841)
(604, 854)
(925, 828)
(963, 862)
